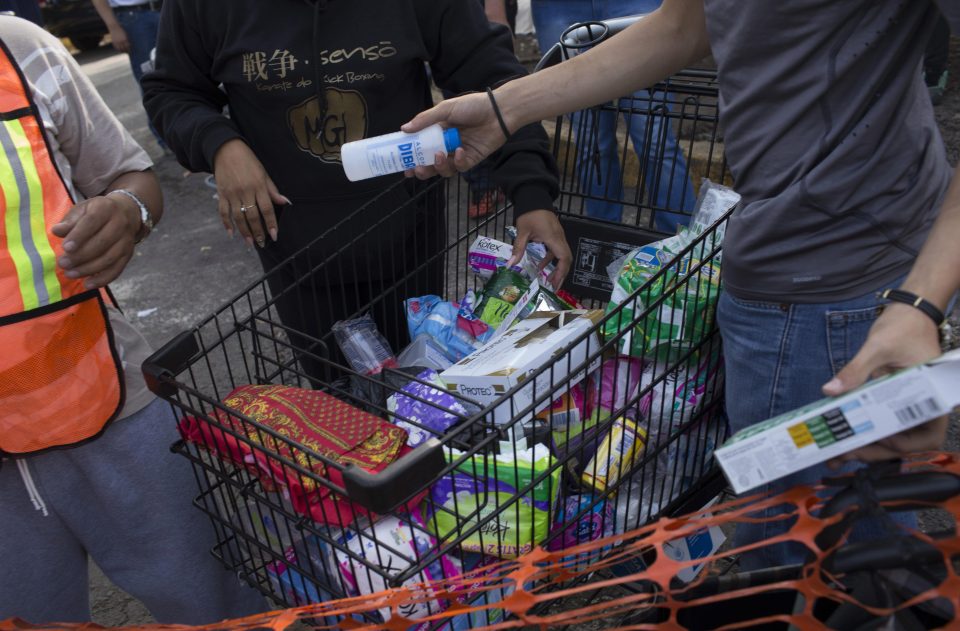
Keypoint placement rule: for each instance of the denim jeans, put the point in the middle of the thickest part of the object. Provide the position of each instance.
(141, 28)
(661, 161)
(777, 357)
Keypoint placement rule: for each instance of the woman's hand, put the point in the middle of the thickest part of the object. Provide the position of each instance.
(247, 194)
(542, 226)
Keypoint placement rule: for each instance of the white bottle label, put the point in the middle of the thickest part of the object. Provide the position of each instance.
(395, 157)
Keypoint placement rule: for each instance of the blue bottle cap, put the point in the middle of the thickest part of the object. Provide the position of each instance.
(451, 139)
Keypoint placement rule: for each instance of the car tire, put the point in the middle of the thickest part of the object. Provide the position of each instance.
(86, 42)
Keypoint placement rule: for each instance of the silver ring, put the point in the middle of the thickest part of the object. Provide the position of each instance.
(244, 209)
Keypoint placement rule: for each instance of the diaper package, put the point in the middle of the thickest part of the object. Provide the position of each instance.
(490, 482)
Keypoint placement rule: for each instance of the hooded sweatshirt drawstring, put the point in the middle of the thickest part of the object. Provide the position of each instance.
(31, 487)
(318, 8)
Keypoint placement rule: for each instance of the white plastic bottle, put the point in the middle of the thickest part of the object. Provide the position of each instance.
(396, 152)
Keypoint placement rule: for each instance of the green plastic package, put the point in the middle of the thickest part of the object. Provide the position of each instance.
(490, 483)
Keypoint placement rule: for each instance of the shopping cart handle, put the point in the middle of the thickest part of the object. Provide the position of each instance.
(391, 487)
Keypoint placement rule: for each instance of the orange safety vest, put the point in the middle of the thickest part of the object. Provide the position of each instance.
(61, 380)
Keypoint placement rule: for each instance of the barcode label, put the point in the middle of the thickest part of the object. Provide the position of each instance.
(560, 420)
(918, 412)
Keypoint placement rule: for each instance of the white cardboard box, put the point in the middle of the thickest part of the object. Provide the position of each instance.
(511, 358)
(829, 428)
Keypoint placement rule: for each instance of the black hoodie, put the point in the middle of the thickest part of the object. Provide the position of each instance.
(271, 58)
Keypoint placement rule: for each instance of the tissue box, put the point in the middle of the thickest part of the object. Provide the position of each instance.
(829, 428)
(512, 357)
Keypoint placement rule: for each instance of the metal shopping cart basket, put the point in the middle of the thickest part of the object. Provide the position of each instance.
(306, 515)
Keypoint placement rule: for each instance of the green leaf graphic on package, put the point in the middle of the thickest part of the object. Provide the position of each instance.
(488, 483)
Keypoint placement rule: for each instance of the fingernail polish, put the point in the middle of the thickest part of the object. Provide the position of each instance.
(286, 200)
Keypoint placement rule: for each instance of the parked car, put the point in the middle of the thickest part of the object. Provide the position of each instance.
(75, 19)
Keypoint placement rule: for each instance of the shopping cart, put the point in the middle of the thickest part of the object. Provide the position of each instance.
(304, 525)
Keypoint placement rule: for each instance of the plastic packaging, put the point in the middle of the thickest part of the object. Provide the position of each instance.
(396, 152)
(486, 483)
(424, 351)
(616, 454)
(425, 411)
(365, 348)
(501, 293)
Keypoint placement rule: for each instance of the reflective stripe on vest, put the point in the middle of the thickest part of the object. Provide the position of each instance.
(60, 377)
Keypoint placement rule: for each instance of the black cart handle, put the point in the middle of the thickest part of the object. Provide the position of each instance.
(585, 35)
(395, 485)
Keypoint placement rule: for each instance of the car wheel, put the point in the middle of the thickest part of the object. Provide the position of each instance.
(86, 42)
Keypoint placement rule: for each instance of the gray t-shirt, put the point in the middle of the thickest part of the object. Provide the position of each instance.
(831, 139)
(91, 148)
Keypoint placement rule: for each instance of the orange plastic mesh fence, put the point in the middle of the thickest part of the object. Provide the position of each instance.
(553, 589)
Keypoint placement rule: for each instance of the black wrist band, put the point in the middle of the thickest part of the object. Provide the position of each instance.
(907, 298)
(496, 110)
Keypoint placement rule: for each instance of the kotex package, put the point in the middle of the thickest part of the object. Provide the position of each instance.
(576, 529)
(389, 544)
(433, 316)
(683, 288)
(431, 409)
(486, 256)
(616, 454)
(487, 483)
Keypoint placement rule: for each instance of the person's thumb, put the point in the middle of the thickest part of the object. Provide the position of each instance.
(519, 247)
(853, 375)
(426, 118)
(63, 228)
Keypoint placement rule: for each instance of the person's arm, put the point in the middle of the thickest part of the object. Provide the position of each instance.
(904, 336)
(496, 11)
(185, 105)
(118, 36)
(666, 41)
(99, 232)
(468, 53)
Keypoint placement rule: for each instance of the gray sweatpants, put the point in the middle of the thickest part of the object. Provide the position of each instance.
(125, 500)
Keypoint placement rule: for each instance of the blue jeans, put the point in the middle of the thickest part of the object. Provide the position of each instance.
(661, 160)
(777, 357)
(141, 28)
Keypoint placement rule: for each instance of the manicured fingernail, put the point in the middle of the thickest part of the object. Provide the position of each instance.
(273, 233)
(286, 200)
(69, 246)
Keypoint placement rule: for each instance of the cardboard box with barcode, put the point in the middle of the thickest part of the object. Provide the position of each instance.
(829, 428)
(511, 358)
